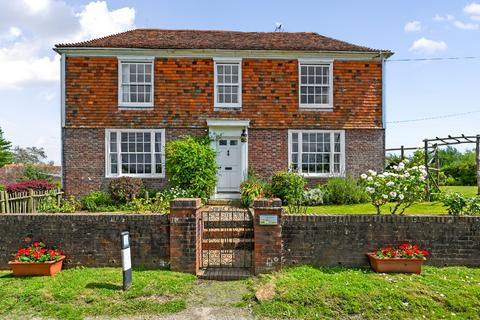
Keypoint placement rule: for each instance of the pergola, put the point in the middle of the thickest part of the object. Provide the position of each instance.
(432, 161)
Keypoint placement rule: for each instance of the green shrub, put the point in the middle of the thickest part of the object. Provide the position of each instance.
(191, 166)
(344, 191)
(124, 189)
(288, 186)
(49, 204)
(148, 192)
(313, 197)
(158, 204)
(457, 204)
(2, 187)
(97, 201)
(473, 206)
(249, 191)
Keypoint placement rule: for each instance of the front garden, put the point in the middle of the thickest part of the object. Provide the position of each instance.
(87, 292)
(301, 293)
(339, 293)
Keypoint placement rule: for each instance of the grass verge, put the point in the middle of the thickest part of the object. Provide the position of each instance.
(339, 293)
(82, 292)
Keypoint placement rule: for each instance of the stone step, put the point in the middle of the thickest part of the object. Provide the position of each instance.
(228, 244)
(225, 274)
(224, 224)
(224, 202)
(216, 233)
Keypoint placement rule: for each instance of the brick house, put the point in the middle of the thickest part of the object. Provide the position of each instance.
(270, 100)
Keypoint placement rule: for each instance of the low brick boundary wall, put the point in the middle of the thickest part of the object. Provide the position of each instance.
(323, 240)
(90, 239)
(343, 240)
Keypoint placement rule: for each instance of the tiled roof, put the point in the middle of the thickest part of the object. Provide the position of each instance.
(228, 40)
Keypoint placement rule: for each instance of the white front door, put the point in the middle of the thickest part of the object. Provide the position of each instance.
(229, 161)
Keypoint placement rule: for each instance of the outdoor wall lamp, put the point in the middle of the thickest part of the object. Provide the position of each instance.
(243, 136)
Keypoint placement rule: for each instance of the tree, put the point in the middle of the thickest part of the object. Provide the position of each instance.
(29, 155)
(6, 156)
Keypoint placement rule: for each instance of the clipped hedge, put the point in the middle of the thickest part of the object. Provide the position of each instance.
(36, 185)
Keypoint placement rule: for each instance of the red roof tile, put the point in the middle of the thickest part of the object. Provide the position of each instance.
(228, 40)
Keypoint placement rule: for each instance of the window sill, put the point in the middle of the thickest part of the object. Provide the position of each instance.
(225, 108)
(322, 175)
(142, 176)
(304, 107)
(143, 108)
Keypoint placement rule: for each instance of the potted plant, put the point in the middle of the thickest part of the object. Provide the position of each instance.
(37, 260)
(406, 258)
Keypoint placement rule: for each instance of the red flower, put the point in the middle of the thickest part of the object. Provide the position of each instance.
(36, 244)
(425, 253)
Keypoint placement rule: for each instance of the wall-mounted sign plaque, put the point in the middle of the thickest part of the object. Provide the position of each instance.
(268, 219)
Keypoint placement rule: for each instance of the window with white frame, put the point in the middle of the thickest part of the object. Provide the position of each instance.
(317, 152)
(135, 152)
(135, 83)
(228, 84)
(315, 84)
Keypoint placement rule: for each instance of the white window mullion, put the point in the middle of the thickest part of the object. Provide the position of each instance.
(300, 152)
(153, 161)
(119, 153)
(332, 152)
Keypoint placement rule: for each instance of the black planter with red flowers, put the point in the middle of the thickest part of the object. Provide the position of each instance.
(406, 258)
(37, 260)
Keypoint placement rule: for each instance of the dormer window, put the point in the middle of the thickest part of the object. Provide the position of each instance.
(316, 89)
(135, 83)
(228, 83)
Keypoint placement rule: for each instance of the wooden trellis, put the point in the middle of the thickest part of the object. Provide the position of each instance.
(432, 161)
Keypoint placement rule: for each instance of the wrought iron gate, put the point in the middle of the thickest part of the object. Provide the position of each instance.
(227, 238)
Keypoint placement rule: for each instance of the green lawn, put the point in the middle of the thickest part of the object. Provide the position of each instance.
(339, 293)
(367, 208)
(468, 191)
(82, 292)
(418, 208)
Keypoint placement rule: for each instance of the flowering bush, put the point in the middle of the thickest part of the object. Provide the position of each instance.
(24, 186)
(313, 197)
(457, 204)
(37, 252)
(405, 251)
(402, 185)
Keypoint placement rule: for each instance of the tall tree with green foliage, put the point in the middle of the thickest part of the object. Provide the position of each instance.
(29, 155)
(6, 155)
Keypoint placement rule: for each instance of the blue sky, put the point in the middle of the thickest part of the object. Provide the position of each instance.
(29, 81)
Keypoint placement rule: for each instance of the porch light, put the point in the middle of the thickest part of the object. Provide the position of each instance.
(243, 136)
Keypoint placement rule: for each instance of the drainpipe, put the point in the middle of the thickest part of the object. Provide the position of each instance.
(384, 108)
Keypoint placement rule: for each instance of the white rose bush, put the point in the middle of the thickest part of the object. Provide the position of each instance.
(402, 185)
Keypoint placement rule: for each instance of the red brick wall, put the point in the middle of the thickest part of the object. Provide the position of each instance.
(84, 159)
(184, 95)
(84, 155)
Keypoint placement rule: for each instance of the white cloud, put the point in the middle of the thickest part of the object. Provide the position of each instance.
(447, 17)
(472, 9)
(465, 26)
(412, 26)
(11, 34)
(37, 5)
(428, 46)
(30, 28)
(97, 21)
